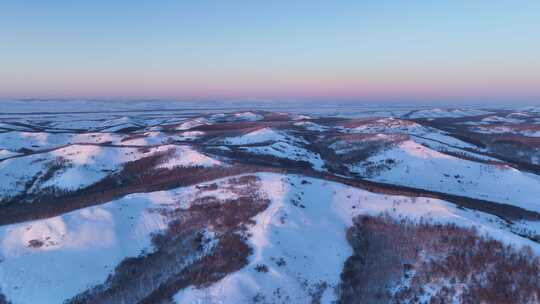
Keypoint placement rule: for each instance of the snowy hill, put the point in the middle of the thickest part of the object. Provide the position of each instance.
(370, 205)
(411, 164)
(445, 113)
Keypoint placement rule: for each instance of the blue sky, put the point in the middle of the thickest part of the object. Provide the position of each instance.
(358, 50)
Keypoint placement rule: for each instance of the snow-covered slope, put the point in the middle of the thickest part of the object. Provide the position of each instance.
(299, 241)
(446, 113)
(51, 260)
(267, 141)
(300, 246)
(505, 129)
(239, 116)
(261, 136)
(414, 165)
(95, 125)
(400, 126)
(238, 235)
(290, 151)
(158, 138)
(78, 166)
(14, 141)
(193, 123)
(4, 153)
(44, 261)
(311, 126)
(185, 156)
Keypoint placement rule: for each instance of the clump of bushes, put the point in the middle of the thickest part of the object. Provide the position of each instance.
(401, 261)
(261, 268)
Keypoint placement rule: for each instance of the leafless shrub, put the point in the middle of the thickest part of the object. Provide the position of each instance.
(35, 243)
(399, 261)
(261, 268)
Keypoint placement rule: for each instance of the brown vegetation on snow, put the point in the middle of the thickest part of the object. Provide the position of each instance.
(399, 261)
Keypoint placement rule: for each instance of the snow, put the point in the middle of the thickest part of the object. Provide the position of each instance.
(507, 129)
(311, 126)
(288, 151)
(530, 133)
(273, 238)
(91, 241)
(497, 119)
(304, 227)
(77, 125)
(421, 167)
(300, 116)
(95, 138)
(91, 122)
(16, 140)
(520, 115)
(344, 146)
(10, 126)
(280, 145)
(446, 113)
(120, 127)
(513, 118)
(240, 116)
(261, 136)
(157, 138)
(16, 172)
(84, 165)
(493, 129)
(400, 126)
(185, 156)
(445, 148)
(311, 242)
(191, 135)
(193, 123)
(6, 153)
(88, 164)
(249, 116)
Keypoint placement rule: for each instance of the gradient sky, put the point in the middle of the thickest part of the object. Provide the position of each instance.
(357, 50)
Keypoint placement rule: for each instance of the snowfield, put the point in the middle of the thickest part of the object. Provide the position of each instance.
(508, 130)
(42, 261)
(38, 141)
(399, 126)
(80, 166)
(14, 141)
(446, 113)
(311, 126)
(185, 156)
(193, 123)
(276, 144)
(163, 202)
(241, 116)
(91, 241)
(300, 238)
(303, 246)
(414, 165)
(261, 136)
(4, 153)
(157, 138)
(290, 151)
